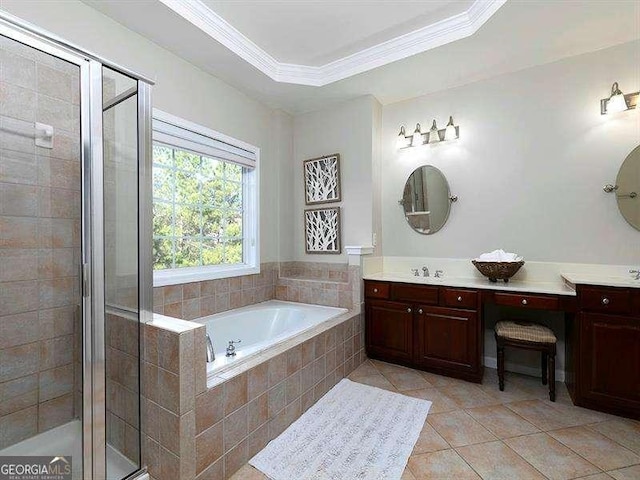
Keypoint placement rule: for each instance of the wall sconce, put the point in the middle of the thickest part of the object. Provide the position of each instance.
(618, 101)
(434, 135)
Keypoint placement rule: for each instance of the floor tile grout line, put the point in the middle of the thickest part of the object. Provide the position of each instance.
(586, 459)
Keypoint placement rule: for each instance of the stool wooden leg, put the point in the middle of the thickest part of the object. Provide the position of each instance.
(501, 368)
(552, 377)
(544, 368)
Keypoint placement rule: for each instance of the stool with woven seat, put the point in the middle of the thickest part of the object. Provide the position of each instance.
(528, 336)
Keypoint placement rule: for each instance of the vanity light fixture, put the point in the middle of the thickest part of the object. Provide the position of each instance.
(434, 135)
(416, 139)
(451, 131)
(401, 141)
(618, 101)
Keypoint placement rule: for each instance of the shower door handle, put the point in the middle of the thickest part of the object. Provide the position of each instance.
(84, 279)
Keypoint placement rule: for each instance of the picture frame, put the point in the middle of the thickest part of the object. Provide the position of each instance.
(322, 179)
(322, 230)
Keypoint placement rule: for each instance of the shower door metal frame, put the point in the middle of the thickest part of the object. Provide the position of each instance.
(92, 235)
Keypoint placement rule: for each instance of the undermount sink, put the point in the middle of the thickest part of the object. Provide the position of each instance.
(604, 280)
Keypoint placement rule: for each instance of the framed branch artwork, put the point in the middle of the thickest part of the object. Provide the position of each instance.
(322, 230)
(322, 179)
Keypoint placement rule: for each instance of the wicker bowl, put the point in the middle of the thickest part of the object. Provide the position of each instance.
(495, 271)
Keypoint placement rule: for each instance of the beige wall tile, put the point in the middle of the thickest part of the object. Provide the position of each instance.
(18, 426)
(209, 447)
(55, 412)
(209, 408)
(54, 83)
(19, 361)
(56, 382)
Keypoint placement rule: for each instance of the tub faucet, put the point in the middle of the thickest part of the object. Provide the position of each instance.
(439, 273)
(636, 273)
(231, 349)
(425, 271)
(211, 355)
(415, 272)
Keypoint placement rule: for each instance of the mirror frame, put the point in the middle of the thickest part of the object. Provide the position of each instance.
(451, 199)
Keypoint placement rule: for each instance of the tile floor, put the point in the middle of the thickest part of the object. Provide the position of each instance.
(475, 431)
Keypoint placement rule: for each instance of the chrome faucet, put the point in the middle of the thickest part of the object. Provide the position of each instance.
(211, 355)
(439, 273)
(415, 272)
(636, 273)
(231, 349)
(425, 271)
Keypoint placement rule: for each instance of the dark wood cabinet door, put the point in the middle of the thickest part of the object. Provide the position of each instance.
(447, 338)
(389, 330)
(610, 362)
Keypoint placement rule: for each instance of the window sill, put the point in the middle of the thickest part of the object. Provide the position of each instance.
(162, 278)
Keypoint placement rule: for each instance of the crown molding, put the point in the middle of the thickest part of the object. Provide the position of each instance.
(437, 34)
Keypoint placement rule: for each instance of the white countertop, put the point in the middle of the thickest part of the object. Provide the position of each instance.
(601, 280)
(554, 288)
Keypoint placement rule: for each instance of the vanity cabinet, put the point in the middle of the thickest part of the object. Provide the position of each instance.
(427, 327)
(446, 340)
(389, 330)
(608, 362)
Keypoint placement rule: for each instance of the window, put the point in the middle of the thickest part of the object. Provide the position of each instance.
(205, 210)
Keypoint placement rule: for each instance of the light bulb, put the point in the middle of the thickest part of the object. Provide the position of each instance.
(416, 139)
(450, 132)
(617, 102)
(433, 133)
(401, 141)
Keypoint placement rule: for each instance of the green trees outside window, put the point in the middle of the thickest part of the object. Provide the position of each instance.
(197, 210)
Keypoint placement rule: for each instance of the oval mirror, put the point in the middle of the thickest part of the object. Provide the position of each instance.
(426, 200)
(628, 188)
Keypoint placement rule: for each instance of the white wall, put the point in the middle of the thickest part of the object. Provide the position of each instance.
(181, 88)
(529, 167)
(347, 129)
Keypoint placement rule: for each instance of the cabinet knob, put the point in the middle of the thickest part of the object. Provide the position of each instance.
(524, 301)
(375, 290)
(605, 301)
(459, 299)
(408, 310)
(420, 311)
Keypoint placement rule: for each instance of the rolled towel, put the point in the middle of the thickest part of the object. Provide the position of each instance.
(499, 256)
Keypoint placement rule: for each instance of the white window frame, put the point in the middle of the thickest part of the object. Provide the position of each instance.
(251, 203)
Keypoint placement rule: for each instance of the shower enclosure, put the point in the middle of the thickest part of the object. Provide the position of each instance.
(75, 286)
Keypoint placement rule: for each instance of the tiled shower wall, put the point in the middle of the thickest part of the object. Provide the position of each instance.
(334, 285)
(39, 243)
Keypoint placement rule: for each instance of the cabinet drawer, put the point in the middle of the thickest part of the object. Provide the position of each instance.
(423, 295)
(527, 301)
(610, 300)
(460, 298)
(376, 290)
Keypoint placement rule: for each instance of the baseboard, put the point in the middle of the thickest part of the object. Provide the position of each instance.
(492, 362)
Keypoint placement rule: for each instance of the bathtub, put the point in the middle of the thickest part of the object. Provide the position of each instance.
(259, 327)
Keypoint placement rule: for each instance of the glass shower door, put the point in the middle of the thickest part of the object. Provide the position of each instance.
(122, 316)
(41, 324)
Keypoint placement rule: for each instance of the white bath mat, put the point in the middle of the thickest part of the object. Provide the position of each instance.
(354, 432)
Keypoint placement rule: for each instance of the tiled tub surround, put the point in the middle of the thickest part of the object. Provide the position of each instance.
(332, 285)
(194, 431)
(39, 243)
(199, 299)
(123, 382)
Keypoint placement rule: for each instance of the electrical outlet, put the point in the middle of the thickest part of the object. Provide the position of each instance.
(374, 239)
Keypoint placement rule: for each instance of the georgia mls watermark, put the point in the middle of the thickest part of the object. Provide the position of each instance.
(35, 468)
